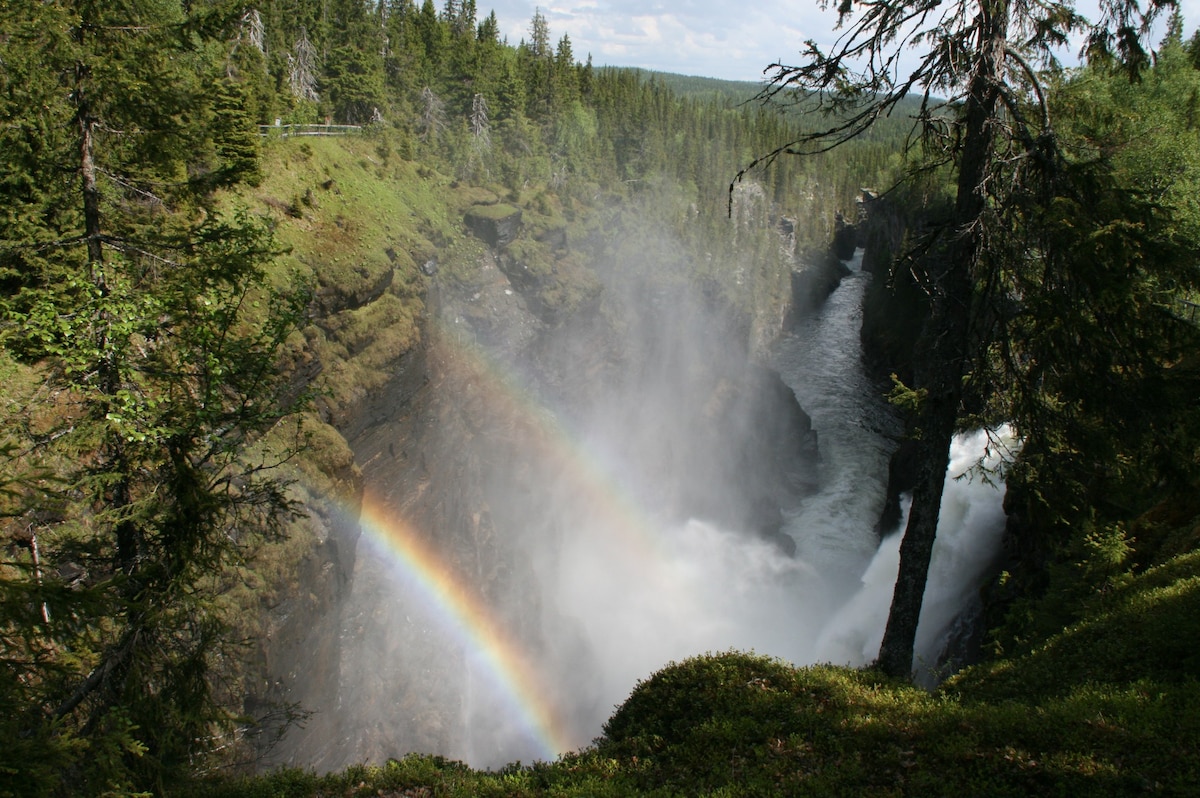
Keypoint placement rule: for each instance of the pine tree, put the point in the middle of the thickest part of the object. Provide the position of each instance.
(146, 311)
(566, 77)
(353, 84)
(1103, 269)
(480, 126)
(537, 58)
(981, 57)
(539, 36)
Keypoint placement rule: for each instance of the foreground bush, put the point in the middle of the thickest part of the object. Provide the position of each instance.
(1108, 707)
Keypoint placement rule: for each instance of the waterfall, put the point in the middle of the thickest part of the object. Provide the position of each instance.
(835, 530)
(542, 554)
(970, 526)
(857, 431)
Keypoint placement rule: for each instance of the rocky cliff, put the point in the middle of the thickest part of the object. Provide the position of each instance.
(450, 392)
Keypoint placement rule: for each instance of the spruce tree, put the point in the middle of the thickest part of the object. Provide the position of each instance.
(145, 310)
(981, 57)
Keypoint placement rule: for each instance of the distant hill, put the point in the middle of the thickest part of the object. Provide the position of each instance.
(692, 86)
(736, 92)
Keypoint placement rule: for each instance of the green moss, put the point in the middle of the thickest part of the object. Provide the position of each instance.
(1111, 708)
(536, 257)
(496, 212)
(1144, 629)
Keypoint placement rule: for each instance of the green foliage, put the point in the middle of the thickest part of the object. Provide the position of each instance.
(235, 135)
(143, 378)
(906, 399)
(147, 314)
(154, 497)
(1108, 707)
(682, 698)
(353, 84)
(1094, 362)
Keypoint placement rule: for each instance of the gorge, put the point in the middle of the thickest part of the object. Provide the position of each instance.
(552, 512)
(395, 409)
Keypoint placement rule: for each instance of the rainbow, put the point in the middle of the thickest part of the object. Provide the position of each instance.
(460, 610)
(463, 613)
(589, 479)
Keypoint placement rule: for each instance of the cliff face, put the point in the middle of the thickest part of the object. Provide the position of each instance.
(459, 432)
(895, 306)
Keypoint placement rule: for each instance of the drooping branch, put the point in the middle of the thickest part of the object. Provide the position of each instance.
(96, 678)
(981, 59)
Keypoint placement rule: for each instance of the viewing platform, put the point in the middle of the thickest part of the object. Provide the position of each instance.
(284, 131)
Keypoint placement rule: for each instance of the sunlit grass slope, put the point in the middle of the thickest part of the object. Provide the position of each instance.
(1108, 707)
(356, 220)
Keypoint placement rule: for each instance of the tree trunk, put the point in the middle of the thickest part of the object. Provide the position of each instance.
(945, 340)
(108, 369)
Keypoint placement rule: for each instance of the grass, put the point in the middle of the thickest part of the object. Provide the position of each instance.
(494, 211)
(1108, 708)
(357, 221)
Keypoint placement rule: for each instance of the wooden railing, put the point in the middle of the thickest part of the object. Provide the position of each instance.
(283, 131)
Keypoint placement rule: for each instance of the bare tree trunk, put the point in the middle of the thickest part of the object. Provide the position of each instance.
(108, 369)
(91, 192)
(946, 340)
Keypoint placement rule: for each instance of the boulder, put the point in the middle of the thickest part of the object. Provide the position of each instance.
(497, 225)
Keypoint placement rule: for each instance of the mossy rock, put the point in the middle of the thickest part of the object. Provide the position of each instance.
(497, 225)
(684, 697)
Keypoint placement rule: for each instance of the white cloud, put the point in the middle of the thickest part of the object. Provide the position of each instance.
(713, 38)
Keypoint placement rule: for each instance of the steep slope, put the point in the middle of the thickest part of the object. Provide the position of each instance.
(461, 336)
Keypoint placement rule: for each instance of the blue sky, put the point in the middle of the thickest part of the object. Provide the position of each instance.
(714, 38)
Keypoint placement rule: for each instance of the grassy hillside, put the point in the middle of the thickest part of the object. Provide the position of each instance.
(1107, 707)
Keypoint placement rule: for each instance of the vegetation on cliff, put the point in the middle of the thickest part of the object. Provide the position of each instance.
(176, 286)
(1108, 707)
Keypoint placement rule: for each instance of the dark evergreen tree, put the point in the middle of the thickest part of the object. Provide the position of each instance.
(1105, 269)
(353, 85)
(234, 134)
(537, 66)
(566, 75)
(981, 57)
(145, 309)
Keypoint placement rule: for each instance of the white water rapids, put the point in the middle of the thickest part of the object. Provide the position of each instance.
(712, 589)
(835, 530)
(596, 578)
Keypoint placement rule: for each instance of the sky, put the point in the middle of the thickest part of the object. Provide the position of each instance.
(711, 38)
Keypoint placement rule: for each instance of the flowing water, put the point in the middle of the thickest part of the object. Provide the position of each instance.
(511, 591)
(836, 529)
(821, 360)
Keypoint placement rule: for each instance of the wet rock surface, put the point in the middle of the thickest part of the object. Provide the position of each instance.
(499, 431)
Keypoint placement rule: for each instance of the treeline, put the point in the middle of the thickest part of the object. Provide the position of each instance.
(452, 88)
